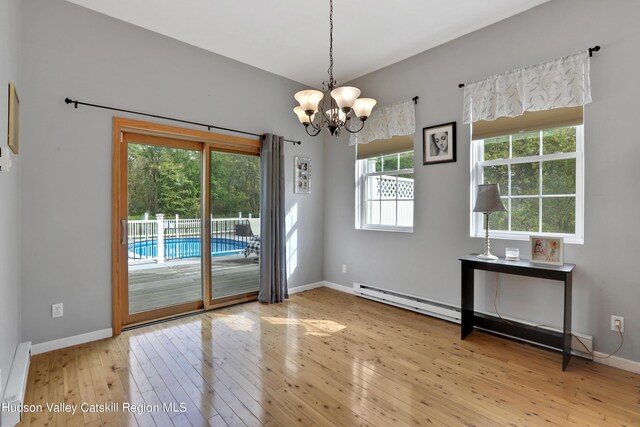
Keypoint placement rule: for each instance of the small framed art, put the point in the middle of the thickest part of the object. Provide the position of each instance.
(547, 250)
(302, 175)
(439, 144)
(14, 119)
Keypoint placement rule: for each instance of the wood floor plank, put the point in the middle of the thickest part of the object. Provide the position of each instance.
(325, 358)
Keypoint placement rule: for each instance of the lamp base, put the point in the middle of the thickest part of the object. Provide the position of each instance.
(487, 255)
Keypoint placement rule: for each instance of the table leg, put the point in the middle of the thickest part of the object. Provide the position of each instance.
(566, 338)
(466, 291)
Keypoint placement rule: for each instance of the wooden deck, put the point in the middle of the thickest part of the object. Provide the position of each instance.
(154, 286)
(324, 358)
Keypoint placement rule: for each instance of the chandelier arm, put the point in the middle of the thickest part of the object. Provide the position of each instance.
(318, 130)
(354, 131)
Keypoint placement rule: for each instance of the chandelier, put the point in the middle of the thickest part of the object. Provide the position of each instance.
(342, 106)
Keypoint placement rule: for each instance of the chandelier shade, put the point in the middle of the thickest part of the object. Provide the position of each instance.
(337, 113)
(362, 107)
(342, 102)
(309, 100)
(302, 116)
(345, 97)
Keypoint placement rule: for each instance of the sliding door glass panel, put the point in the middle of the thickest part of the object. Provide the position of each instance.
(163, 230)
(235, 225)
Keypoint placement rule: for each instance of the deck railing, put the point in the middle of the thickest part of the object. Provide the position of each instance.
(178, 238)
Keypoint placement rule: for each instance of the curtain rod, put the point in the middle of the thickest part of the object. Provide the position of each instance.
(591, 50)
(209, 127)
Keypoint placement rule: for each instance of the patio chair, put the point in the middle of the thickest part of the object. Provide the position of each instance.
(244, 230)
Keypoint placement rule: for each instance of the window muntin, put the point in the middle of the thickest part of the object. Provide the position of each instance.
(540, 175)
(385, 192)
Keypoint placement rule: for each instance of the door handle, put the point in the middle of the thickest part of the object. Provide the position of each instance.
(124, 232)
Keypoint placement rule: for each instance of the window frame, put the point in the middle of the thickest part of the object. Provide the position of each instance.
(477, 165)
(361, 194)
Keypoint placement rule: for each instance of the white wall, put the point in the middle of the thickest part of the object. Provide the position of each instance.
(71, 51)
(607, 276)
(10, 18)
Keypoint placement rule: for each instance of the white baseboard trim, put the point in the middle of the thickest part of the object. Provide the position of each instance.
(71, 341)
(617, 362)
(305, 287)
(341, 288)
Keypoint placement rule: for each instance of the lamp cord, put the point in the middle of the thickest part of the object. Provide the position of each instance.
(495, 307)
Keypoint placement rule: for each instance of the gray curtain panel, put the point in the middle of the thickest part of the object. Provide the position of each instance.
(273, 255)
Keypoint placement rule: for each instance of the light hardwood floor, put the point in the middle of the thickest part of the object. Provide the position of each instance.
(327, 358)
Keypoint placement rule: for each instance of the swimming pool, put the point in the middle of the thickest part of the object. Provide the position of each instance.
(185, 247)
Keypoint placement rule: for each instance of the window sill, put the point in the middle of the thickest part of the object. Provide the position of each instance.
(568, 239)
(388, 228)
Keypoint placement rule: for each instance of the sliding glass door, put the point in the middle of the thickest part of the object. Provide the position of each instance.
(186, 221)
(234, 202)
(163, 229)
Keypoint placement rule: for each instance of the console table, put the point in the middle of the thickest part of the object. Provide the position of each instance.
(471, 319)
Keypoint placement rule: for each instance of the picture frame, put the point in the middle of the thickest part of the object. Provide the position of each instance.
(13, 137)
(439, 144)
(547, 250)
(302, 175)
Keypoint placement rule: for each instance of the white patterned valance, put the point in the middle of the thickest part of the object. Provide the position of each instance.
(392, 120)
(563, 82)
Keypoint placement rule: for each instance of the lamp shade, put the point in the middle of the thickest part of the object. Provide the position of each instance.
(302, 116)
(309, 100)
(363, 106)
(345, 96)
(488, 199)
(336, 113)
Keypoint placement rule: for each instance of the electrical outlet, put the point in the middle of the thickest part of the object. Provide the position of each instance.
(613, 323)
(57, 310)
(344, 268)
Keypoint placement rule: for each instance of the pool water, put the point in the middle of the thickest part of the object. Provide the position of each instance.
(187, 247)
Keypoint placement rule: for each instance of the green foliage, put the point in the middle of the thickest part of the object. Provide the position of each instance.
(392, 162)
(496, 148)
(235, 184)
(167, 181)
(525, 144)
(520, 180)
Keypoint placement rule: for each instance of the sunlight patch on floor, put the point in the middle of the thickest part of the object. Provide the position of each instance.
(317, 327)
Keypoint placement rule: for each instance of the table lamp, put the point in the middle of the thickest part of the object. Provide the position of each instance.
(488, 200)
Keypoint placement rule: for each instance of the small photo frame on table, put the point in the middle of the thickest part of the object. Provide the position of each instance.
(547, 250)
(14, 119)
(302, 175)
(439, 144)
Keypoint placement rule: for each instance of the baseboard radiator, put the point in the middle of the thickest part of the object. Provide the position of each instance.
(581, 344)
(408, 302)
(16, 386)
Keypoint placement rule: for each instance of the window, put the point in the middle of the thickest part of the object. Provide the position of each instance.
(540, 174)
(385, 188)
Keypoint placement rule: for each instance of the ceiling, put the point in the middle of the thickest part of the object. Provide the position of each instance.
(291, 37)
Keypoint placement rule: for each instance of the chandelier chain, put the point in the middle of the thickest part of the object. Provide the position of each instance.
(334, 107)
(330, 70)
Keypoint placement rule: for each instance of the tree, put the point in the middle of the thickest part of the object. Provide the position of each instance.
(558, 179)
(167, 180)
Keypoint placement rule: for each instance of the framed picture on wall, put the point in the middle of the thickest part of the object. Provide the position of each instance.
(14, 119)
(547, 250)
(439, 144)
(302, 175)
